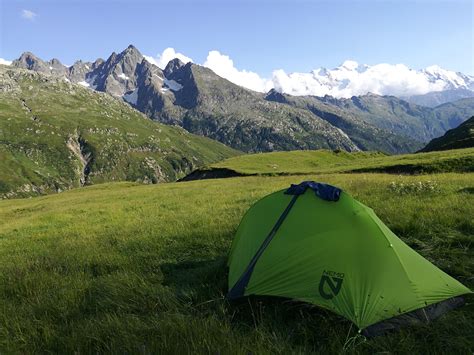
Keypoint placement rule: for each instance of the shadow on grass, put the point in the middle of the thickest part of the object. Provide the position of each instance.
(187, 276)
(284, 324)
(466, 190)
(202, 286)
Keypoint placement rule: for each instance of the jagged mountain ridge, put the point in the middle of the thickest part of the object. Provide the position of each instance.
(197, 99)
(204, 103)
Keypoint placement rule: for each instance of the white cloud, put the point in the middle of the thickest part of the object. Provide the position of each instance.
(168, 54)
(352, 79)
(223, 66)
(150, 59)
(5, 62)
(28, 14)
(349, 79)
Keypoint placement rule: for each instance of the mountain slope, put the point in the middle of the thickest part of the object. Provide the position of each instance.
(212, 106)
(367, 136)
(404, 118)
(459, 137)
(55, 135)
(436, 98)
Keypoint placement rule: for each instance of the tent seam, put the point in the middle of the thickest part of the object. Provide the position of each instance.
(415, 291)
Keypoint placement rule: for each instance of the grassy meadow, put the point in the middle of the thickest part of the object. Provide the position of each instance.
(129, 268)
(327, 161)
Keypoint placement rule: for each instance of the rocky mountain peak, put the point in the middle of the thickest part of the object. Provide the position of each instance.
(56, 62)
(131, 53)
(117, 75)
(56, 67)
(132, 48)
(28, 60)
(172, 66)
(97, 62)
(274, 95)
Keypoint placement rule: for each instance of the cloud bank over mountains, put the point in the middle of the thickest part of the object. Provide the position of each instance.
(223, 66)
(347, 80)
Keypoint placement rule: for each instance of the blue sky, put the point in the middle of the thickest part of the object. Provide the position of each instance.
(260, 36)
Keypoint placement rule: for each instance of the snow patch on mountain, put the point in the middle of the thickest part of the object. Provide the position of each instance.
(342, 132)
(90, 81)
(131, 97)
(173, 85)
(123, 76)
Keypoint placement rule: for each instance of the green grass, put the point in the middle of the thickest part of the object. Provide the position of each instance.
(141, 269)
(326, 161)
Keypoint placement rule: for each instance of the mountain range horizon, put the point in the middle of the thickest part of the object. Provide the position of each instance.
(206, 103)
(344, 81)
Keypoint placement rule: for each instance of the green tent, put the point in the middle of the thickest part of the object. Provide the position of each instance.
(314, 243)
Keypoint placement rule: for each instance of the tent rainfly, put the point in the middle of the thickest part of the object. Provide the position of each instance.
(315, 243)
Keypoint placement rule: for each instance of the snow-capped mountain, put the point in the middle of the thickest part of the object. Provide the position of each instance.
(354, 79)
(451, 79)
(431, 86)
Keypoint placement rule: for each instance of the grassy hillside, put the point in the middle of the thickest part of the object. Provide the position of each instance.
(55, 135)
(459, 137)
(141, 268)
(326, 161)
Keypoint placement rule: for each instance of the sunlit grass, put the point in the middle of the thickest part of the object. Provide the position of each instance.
(132, 268)
(326, 161)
